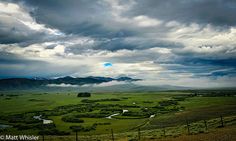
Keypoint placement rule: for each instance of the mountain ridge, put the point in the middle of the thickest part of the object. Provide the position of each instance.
(25, 83)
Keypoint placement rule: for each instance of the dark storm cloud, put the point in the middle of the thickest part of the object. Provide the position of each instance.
(66, 15)
(199, 66)
(121, 43)
(23, 39)
(17, 26)
(135, 43)
(217, 12)
(14, 32)
(97, 30)
(87, 17)
(72, 16)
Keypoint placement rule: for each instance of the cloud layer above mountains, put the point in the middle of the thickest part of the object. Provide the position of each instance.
(184, 43)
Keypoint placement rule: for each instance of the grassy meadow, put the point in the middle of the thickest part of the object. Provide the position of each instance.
(158, 115)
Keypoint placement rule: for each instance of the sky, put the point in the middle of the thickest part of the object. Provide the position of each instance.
(188, 43)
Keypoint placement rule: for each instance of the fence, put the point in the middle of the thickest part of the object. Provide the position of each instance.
(188, 129)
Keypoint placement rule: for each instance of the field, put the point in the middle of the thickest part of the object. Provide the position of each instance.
(170, 115)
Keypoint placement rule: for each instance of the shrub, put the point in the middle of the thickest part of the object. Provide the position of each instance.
(168, 103)
(84, 94)
(80, 128)
(72, 119)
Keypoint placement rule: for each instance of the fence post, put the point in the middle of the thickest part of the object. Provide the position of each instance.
(188, 126)
(43, 131)
(76, 135)
(222, 122)
(112, 135)
(139, 134)
(205, 123)
(164, 131)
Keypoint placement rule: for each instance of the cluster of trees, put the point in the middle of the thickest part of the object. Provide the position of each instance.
(20, 118)
(139, 114)
(81, 128)
(25, 121)
(218, 94)
(84, 94)
(91, 115)
(111, 109)
(72, 118)
(168, 103)
(213, 93)
(61, 110)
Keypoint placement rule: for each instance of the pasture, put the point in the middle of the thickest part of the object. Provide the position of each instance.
(125, 113)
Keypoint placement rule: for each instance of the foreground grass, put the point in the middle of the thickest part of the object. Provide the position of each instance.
(175, 133)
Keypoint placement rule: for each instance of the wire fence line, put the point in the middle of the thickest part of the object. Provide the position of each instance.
(190, 128)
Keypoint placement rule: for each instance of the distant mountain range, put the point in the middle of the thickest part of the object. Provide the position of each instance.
(31, 83)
